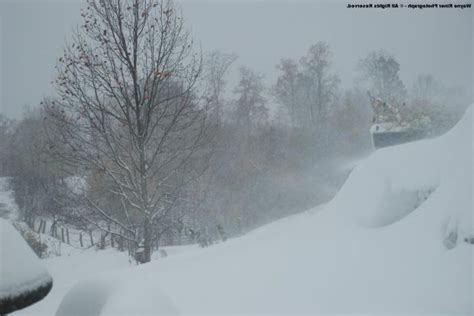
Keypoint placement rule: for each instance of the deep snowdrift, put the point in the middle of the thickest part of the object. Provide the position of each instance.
(397, 180)
(390, 242)
(23, 279)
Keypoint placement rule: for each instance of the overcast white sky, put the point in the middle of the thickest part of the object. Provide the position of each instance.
(437, 41)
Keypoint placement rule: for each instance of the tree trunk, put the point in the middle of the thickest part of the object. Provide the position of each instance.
(147, 240)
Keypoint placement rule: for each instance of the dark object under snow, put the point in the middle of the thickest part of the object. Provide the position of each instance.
(469, 239)
(24, 299)
(140, 254)
(389, 129)
(392, 138)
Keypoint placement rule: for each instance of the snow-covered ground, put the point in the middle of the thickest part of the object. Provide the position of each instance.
(88, 264)
(390, 242)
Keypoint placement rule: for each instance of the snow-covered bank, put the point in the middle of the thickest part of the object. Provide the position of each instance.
(23, 279)
(390, 242)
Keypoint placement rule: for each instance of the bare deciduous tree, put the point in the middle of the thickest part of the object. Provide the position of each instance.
(216, 67)
(287, 90)
(320, 84)
(6, 132)
(426, 88)
(250, 105)
(309, 89)
(381, 70)
(127, 109)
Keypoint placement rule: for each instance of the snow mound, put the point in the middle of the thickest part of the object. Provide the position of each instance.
(21, 272)
(110, 296)
(430, 174)
(89, 298)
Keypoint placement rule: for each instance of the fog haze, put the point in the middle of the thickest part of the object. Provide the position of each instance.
(436, 41)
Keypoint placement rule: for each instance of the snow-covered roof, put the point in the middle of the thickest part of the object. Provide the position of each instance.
(21, 271)
(387, 127)
(76, 184)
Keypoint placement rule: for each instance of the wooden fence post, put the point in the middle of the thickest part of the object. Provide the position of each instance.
(40, 226)
(120, 244)
(32, 222)
(80, 240)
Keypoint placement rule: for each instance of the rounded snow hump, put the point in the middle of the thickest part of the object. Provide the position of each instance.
(23, 279)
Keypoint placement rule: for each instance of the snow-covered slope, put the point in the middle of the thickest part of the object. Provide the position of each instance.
(390, 242)
(394, 181)
(23, 278)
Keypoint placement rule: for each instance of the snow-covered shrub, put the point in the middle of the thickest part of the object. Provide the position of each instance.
(450, 240)
(35, 243)
(162, 253)
(40, 248)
